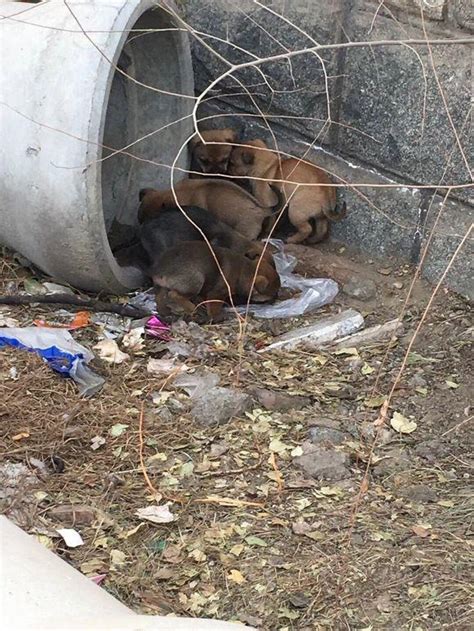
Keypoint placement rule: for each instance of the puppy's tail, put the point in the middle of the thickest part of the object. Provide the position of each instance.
(337, 213)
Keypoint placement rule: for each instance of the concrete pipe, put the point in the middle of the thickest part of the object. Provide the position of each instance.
(71, 90)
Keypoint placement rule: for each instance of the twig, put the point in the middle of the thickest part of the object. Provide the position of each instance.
(65, 299)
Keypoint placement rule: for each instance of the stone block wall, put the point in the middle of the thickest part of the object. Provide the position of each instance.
(390, 123)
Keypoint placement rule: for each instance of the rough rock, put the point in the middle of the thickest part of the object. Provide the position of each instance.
(360, 288)
(420, 493)
(321, 435)
(279, 401)
(431, 450)
(394, 461)
(323, 464)
(368, 431)
(219, 405)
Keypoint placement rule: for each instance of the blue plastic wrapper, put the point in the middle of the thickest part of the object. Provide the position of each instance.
(59, 350)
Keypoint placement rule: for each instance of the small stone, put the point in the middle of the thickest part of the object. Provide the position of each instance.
(368, 432)
(360, 288)
(219, 405)
(73, 514)
(279, 401)
(417, 381)
(431, 450)
(323, 464)
(420, 493)
(321, 435)
(300, 600)
(395, 460)
(398, 285)
(385, 271)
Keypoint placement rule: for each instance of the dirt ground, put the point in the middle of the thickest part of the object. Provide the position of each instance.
(258, 535)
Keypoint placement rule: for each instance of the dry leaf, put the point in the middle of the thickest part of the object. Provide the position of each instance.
(156, 514)
(236, 577)
(367, 369)
(422, 530)
(237, 549)
(117, 558)
(255, 541)
(401, 424)
(297, 451)
(375, 402)
(110, 352)
(21, 435)
(117, 429)
(91, 566)
(197, 555)
(452, 384)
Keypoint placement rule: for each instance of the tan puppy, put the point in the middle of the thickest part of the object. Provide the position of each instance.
(304, 202)
(225, 200)
(187, 274)
(210, 158)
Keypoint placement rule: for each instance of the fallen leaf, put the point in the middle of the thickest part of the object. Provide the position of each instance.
(186, 469)
(284, 612)
(117, 558)
(375, 402)
(451, 384)
(255, 541)
(21, 435)
(110, 352)
(118, 429)
(41, 495)
(156, 514)
(197, 555)
(163, 574)
(236, 577)
(101, 542)
(277, 446)
(421, 390)
(71, 537)
(297, 451)
(45, 541)
(97, 442)
(401, 424)
(237, 549)
(91, 566)
(422, 530)
(446, 503)
(352, 351)
(367, 369)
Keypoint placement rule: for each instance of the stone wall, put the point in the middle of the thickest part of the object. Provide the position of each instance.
(389, 121)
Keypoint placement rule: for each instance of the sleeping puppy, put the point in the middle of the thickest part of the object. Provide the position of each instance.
(187, 275)
(171, 226)
(212, 158)
(306, 203)
(225, 200)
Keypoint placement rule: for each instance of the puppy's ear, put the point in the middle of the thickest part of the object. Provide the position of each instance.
(261, 283)
(248, 157)
(195, 142)
(143, 192)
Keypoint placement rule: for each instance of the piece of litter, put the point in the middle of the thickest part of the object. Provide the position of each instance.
(8, 322)
(320, 333)
(97, 442)
(133, 340)
(156, 328)
(59, 350)
(71, 537)
(165, 366)
(98, 578)
(156, 514)
(110, 352)
(54, 288)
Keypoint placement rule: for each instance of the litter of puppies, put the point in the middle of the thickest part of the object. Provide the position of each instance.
(198, 242)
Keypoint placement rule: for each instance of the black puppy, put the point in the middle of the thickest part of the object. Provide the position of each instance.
(171, 227)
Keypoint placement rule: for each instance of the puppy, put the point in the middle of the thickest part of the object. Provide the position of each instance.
(226, 201)
(212, 158)
(171, 226)
(187, 275)
(305, 203)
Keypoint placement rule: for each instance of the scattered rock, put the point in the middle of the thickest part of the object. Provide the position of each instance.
(74, 514)
(368, 431)
(300, 600)
(394, 461)
(420, 493)
(385, 271)
(322, 464)
(431, 450)
(220, 405)
(417, 381)
(218, 449)
(273, 400)
(321, 435)
(15, 477)
(398, 285)
(360, 288)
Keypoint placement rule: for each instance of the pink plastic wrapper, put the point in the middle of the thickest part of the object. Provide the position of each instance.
(156, 328)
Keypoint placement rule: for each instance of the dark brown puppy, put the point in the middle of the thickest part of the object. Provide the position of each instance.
(305, 203)
(170, 226)
(226, 201)
(213, 158)
(187, 275)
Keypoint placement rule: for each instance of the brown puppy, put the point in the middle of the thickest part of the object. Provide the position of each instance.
(304, 202)
(225, 200)
(187, 275)
(213, 158)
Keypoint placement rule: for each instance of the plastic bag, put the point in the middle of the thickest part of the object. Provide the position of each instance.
(59, 350)
(315, 292)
